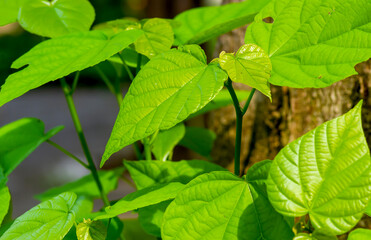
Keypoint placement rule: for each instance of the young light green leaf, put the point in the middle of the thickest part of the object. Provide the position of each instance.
(166, 140)
(360, 233)
(86, 185)
(250, 66)
(223, 99)
(148, 173)
(200, 140)
(166, 91)
(91, 230)
(49, 220)
(313, 43)
(56, 18)
(202, 24)
(368, 209)
(58, 57)
(143, 198)
(221, 206)
(150, 218)
(9, 11)
(19, 139)
(326, 174)
(158, 37)
(5, 202)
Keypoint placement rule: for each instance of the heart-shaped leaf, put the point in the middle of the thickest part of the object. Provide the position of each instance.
(143, 198)
(221, 206)
(326, 173)
(313, 43)
(250, 65)
(19, 139)
(87, 186)
(166, 140)
(9, 11)
(54, 18)
(158, 37)
(148, 173)
(48, 220)
(166, 91)
(58, 57)
(91, 230)
(202, 24)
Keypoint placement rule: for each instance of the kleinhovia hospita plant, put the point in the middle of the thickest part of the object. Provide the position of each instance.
(317, 187)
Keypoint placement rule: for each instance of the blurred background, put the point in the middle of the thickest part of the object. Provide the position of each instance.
(47, 167)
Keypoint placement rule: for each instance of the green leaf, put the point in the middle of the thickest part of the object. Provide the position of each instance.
(220, 205)
(166, 91)
(142, 198)
(19, 139)
(250, 66)
(91, 230)
(5, 202)
(360, 233)
(9, 11)
(49, 220)
(130, 56)
(133, 231)
(166, 140)
(86, 185)
(368, 209)
(82, 207)
(158, 37)
(223, 99)
(202, 24)
(150, 218)
(326, 173)
(149, 173)
(62, 56)
(56, 18)
(313, 43)
(200, 140)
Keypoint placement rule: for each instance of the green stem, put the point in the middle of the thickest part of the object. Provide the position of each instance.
(239, 116)
(84, 144)
(248, 101)
(112, 89)
(75, 81)
(126, 67)
(60, 148)
(147, 149)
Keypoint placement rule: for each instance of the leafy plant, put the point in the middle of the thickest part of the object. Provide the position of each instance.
(323, 177)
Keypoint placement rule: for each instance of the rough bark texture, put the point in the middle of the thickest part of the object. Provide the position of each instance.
(268, 127)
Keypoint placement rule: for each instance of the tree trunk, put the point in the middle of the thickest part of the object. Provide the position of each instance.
(268, 127)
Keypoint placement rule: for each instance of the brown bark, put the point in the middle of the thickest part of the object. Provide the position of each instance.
(268, 127)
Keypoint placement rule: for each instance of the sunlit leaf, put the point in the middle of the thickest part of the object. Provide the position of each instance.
(58, 57)
(5, 202)
(9, 11)
(166, 91)
(220, 205)
(91, 230)
(360, 234)
(326, 173)
(49, 220)
(149, 173)
(313, 43)
(86, 186)
(19, 139)
(250, 65)
(166, 140)
(202, 24)
(57, 17)
(142, 198)
(199, 140)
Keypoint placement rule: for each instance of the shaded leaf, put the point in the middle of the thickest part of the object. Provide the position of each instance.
(220, 205)
(58, 57)
(148, 173)
(133, 231)
(150, 218)
(313, 43)
(5, 200)
(48, 220)
(250, 65)
(56, 18)
(326, 173)
(181, 83)
(202, 24)
(142, 198)
(86, 185)
(82, 207)
(19, 139)
(166, 140)
(199, 140)
(91, 230)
